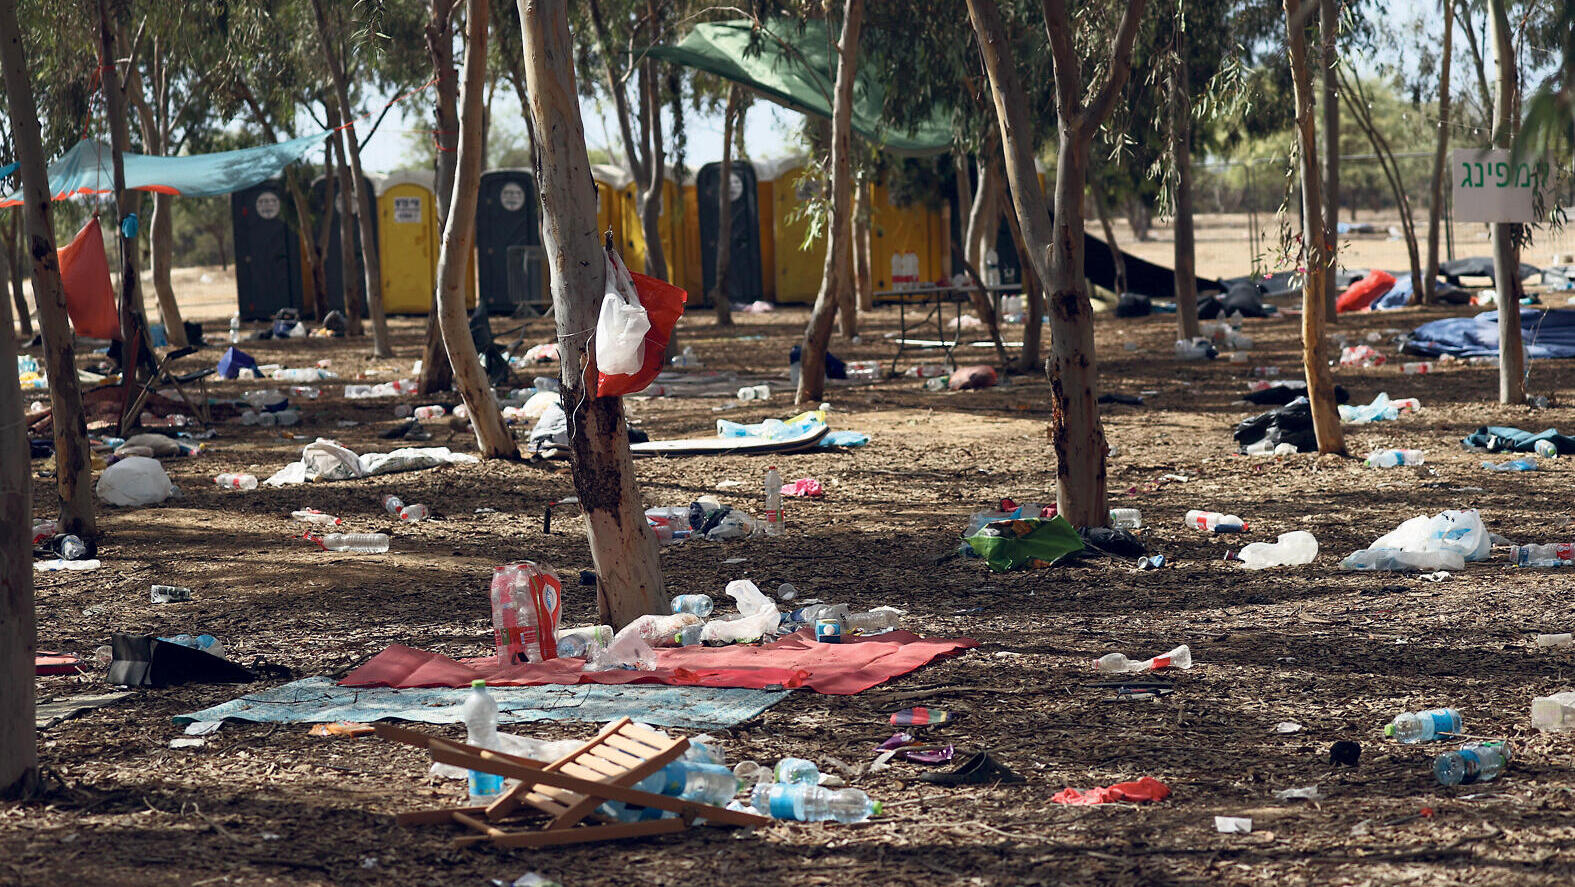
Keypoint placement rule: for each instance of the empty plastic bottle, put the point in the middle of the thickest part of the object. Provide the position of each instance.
(1477, 762)
(660, 631)
(1394, 458)
(207, 643)
(480, 714)
(576, 642)
(313, 516)
(1547, 449)
(1395, 560)
(690, 636)
(811, 803)
(364, 543)
(1525, 463)
(236, 481)
(1126, 518)
(1558, 554)
(773, 514)
(1424, 726)
(392, 504)
(797, 771)
(71, 548)
(434, 411)
(1118, 663)
(1216, 522)
(750, 773)
(1292, 549)
(699, 604)
(1554, 714)
(416, 512)
(880, 619)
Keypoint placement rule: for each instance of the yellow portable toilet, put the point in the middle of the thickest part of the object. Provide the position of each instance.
(908, 244)
(671, 223)
(764, 192)
(796, 271)
(610, 183)
(409, 243)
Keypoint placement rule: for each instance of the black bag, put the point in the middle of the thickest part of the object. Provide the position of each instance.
(146, 661)
(1290, 424)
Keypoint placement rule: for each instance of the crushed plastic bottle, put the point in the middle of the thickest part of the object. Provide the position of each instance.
(433, 411)
(1554, 714)
(362, 543)
(480, 714)
(392, 504)
(699, 604)
(1558, 554)
(70, 547)
(1417, 367)
(657, 630)
(577, 643)
(1293, 549)
(1118, 663)
(1397, 561)
(1477, 762)
(313, 516)
(876, 621)
(1524, 463)
(1196, 349)
(796, 771)
(230, 481)
(811, 803)
(1394, 458)
(773, 515)
(1126, 519)
(1215, 522)
(414, 513)
(1424, 726)
(168, 594)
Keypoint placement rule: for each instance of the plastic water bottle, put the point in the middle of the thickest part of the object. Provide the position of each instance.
(1558, 554)
(1216, 522)
(1412, 368)
(576, 643)
(699, 604)
(236, 481)
(1424, 726)
(876, 621)
(1525, 463)
(811, 803)
(480, 714)
(1554, 714)
(416, 512)
(71, 548)
(392, 504)
(1126, 518)
(1547, 449)
(313, 516)
(1394, 458)
(773, 502)
(1477, 762)
(1292, 549)
(435, 411)
(362, 543)
(235, 327)
(797, 771)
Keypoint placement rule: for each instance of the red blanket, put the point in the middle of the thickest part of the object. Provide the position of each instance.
(796, 660)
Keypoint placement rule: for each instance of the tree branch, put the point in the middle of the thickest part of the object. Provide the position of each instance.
(615, 85)
(1063, 60)
(1120, 66)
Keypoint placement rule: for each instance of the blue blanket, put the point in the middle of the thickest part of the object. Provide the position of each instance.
(1549, 333)
(322, 700)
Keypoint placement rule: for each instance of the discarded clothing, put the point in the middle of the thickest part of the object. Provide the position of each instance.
(1010, 544)
(1290, 424)
(1502, 439)
(1545, 333)
(796, 660)
(324, 460)
(1361, 295)
(1146, 788)
(1404, 293)
(320, 700)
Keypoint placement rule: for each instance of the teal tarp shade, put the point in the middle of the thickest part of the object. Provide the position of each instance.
(88, 168)
(794, 69)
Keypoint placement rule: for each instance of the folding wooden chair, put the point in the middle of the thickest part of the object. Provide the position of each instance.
(164, 375)
(569, 789)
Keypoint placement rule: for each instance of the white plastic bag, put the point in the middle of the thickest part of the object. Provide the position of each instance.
(327, 460)
(1461, 532)
(134, 480)
(760, 616)
(622, 325)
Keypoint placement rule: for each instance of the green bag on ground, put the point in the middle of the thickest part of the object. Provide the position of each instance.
(1009, 544)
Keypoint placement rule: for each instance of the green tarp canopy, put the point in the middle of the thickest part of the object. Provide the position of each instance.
(88, 169)
(793, 68)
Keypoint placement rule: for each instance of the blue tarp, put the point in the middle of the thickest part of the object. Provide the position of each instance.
(322, 700)
(88, 168)
(8, 169)
(1549, 333)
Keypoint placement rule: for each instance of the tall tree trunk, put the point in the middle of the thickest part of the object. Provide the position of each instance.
(459, 235)
(1181, 154)
(651, 190)
(1428, 289)
(1320, 382)
(1328, 33)
(1029, 360)
(363, 207)
(339, 201)
(967, 259)
(1056, 248)
(74, 477)
(13, 248)
(720, 292)
(1108, 227)
(837, 276)
(1506, 252)
(437, 374)
(133, 325)
(863, 272)
(1359, 104)
(18, 628)
(623, 548)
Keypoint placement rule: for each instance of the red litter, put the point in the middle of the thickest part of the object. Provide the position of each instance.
(919, 716)
(1145, 789)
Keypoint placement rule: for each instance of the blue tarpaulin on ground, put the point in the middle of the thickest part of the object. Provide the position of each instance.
(1549, 333)
(88, 168)
(322, 700)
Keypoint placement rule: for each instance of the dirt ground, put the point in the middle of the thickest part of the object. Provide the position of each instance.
(1338, 653)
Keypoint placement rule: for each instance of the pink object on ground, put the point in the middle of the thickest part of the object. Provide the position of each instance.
(1145, 789)
(804, 486)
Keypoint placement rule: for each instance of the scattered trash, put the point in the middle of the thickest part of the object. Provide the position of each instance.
(1554, 714)
(1144, 789)
(134, 481)
(526, 597)
(1293, 549)
(1287, 727)
(812, 803)
(168, 594)
(1034, 542)
(1382, 409)
(1394, 458)
(346, 729)
(1215, 522)
(1118, 663)
(1361, 356)
(1424, 726)
(236, 481)
(804, 486)
(1558, 554)
(919, 716)
(1233, 825)
(931, 755)
(60, 564)
(1345, 752)
(1305, 793)
(1476, 762)
(971, 378)
(1526, 463)
(1556, 641)
(1126, 519)
(313, 516)
(361, 543)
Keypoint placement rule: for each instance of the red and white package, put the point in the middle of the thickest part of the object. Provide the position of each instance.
(526, 598)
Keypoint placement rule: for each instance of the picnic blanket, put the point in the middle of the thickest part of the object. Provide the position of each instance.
(319, 700)
(324, 459)
(1549, 333)
(797, 660)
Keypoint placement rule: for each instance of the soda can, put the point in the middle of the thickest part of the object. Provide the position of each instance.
(828, 630)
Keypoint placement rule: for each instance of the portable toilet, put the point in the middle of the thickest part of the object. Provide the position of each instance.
(744, 263)
(797, 268)
(610, 184)
(671, 224)
(909, 246)
(267, 252)
(511, 268)
(333, 259)
(408, 241)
